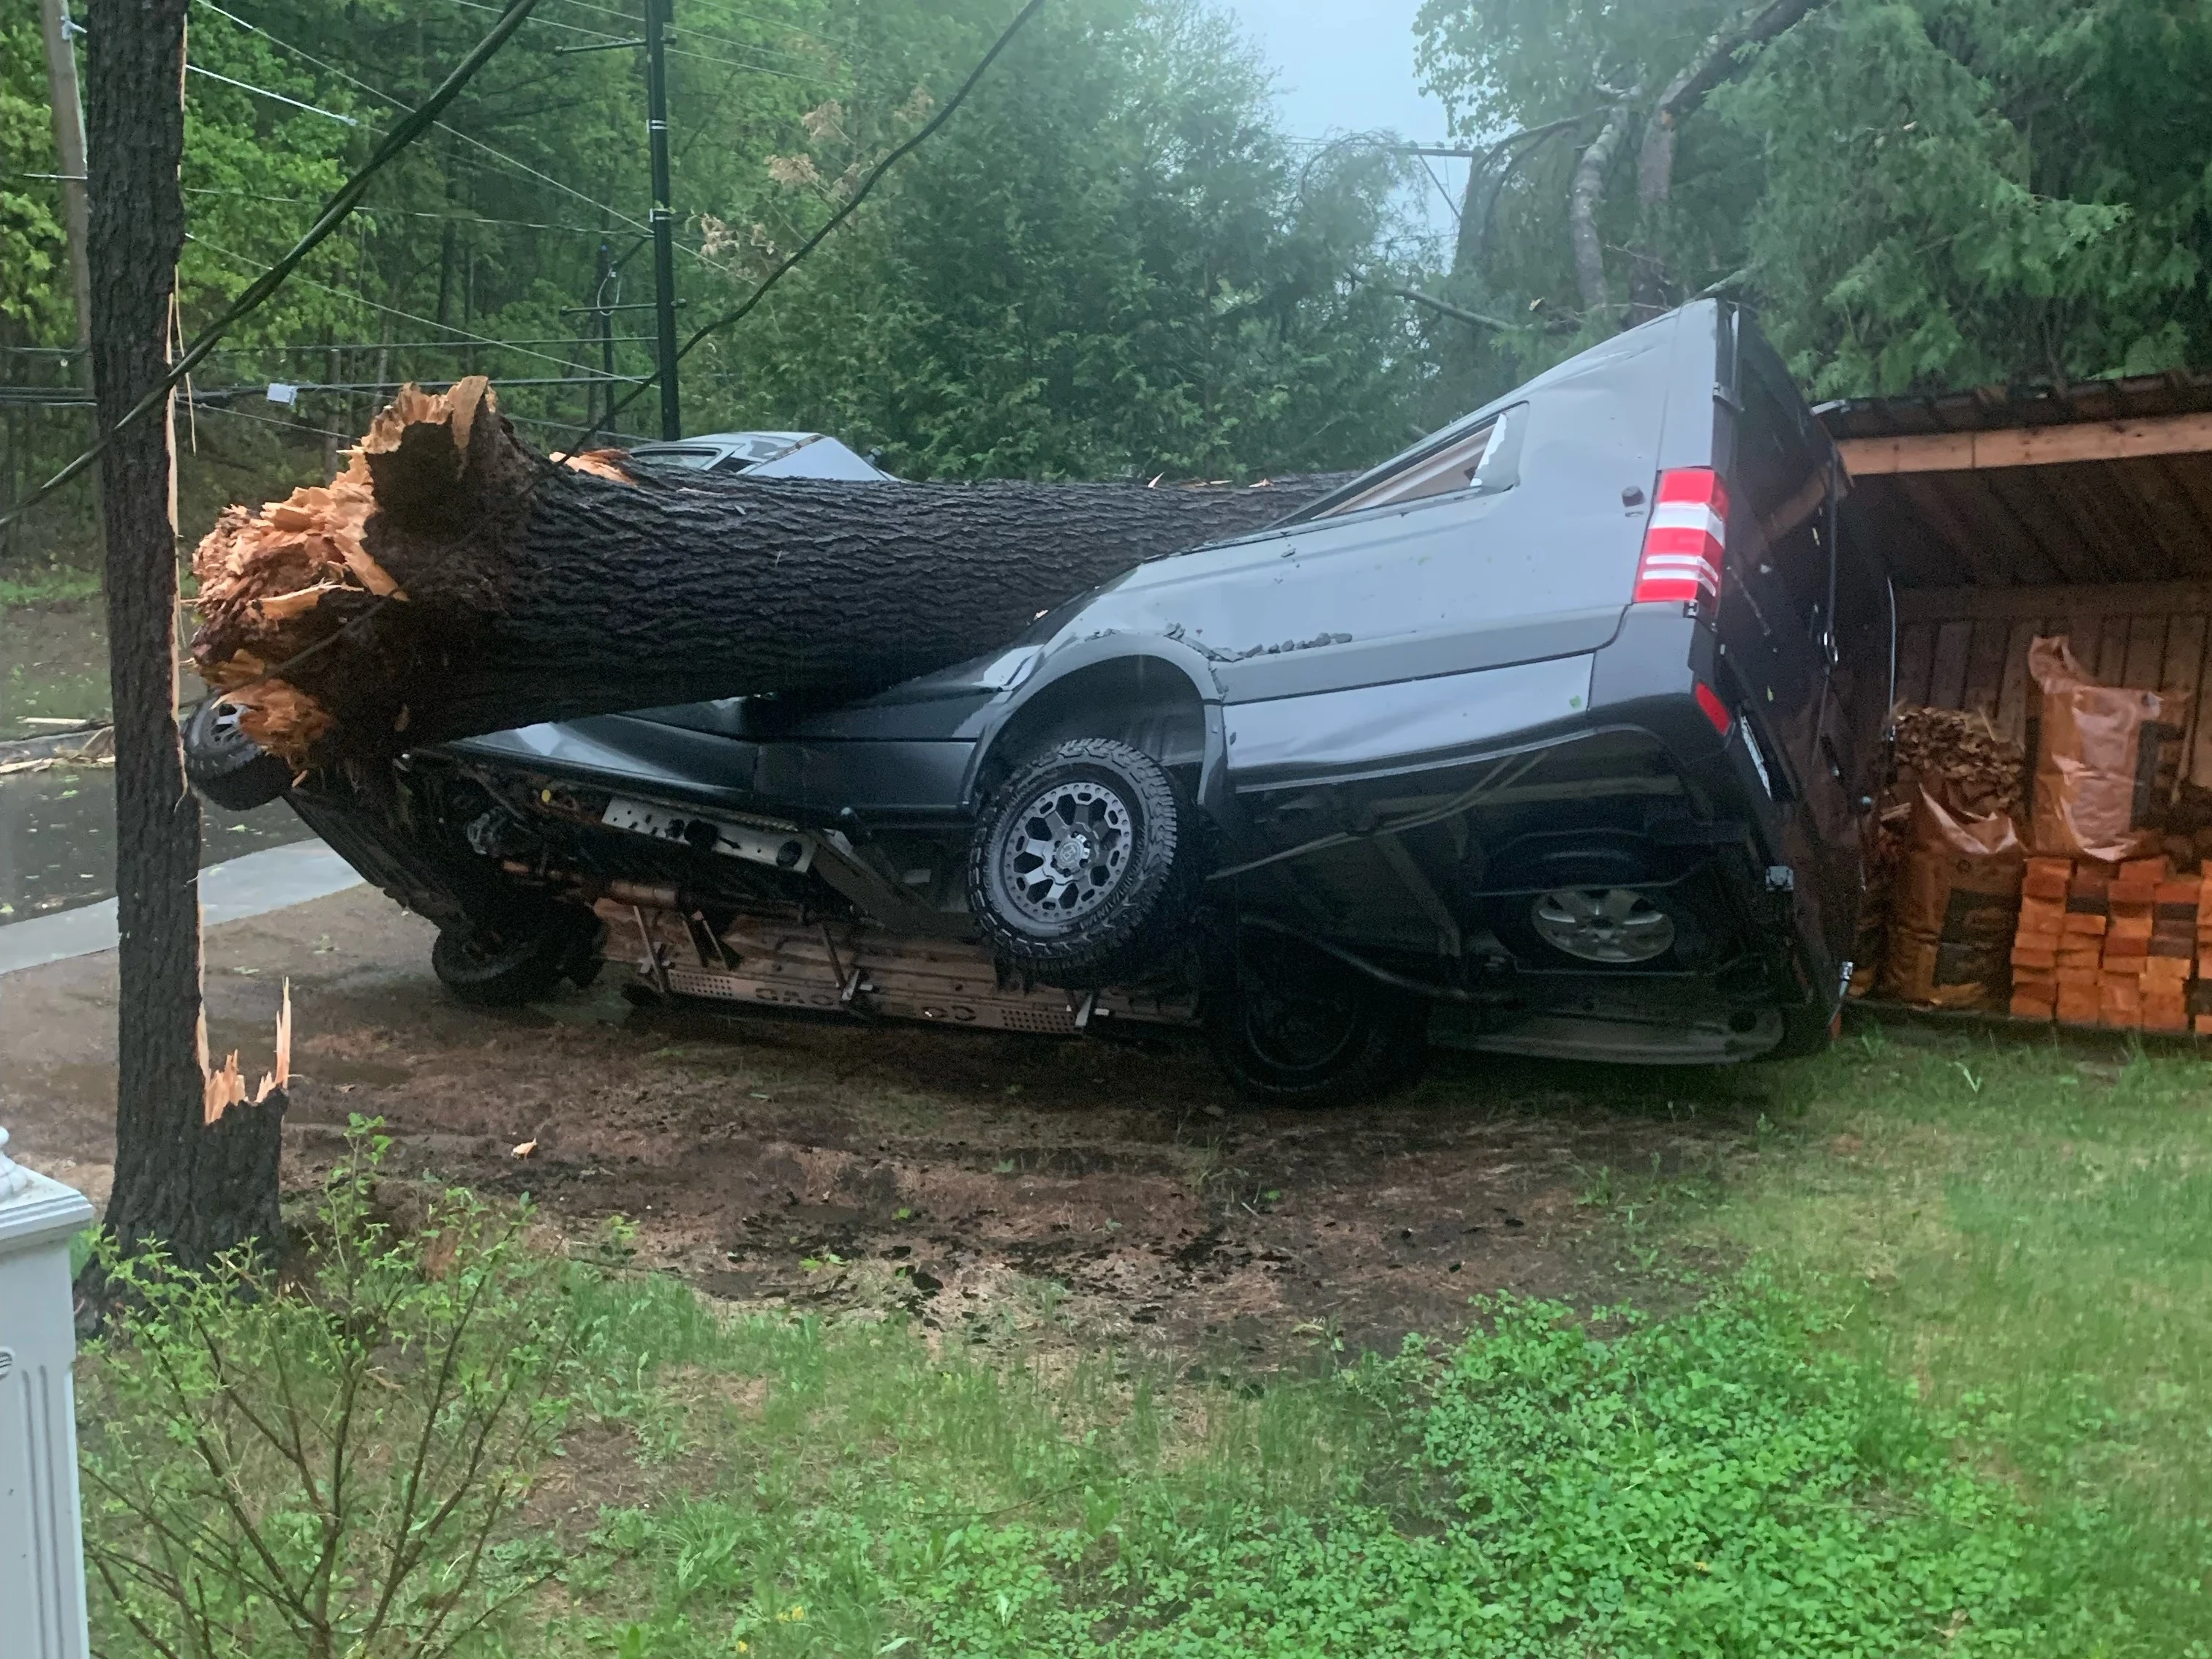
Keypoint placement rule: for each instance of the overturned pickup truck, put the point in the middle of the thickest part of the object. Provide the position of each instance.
(1553, 735)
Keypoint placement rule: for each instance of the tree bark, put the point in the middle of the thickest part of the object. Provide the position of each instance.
(1584, 196)
(195, 1183)
(454, 582)
(1651, 284)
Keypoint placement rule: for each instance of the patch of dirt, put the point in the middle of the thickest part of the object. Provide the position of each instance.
(986, 1183)
(1110, 1189)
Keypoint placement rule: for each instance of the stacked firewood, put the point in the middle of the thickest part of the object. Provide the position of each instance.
(1962, 760)
(2108, 944)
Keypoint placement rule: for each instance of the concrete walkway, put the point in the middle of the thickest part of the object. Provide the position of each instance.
(252, 885)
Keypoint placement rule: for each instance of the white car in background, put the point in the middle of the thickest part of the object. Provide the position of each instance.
(763, 454)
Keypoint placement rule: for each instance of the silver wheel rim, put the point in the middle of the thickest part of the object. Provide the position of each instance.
(1610, 924)
(1064, 855)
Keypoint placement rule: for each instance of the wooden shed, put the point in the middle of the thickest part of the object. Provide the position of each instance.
(2085, 510)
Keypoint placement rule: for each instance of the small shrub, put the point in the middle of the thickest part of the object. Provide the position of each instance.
(324, 1461)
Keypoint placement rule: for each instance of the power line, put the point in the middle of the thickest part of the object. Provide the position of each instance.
(352, 387)
(602, 36)
(282, 98)
(355, 81)
(394, 310)
(418, 345)
(718, 40)
(911, 143)
(272, 278)
(270, 420)
(406, 213)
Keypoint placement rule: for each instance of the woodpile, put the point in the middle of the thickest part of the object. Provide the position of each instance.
(1959, 758)
(2116, 945)
(451, 581)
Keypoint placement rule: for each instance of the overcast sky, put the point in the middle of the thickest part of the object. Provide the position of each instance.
(1347, 66)
(1343, 64)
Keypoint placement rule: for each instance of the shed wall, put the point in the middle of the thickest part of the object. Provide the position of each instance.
(1967, 648)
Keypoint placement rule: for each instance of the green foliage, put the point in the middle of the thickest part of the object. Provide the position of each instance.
(1721, 1483)
(1111, 264)
(326, 1463)
(1917, 193)
(34, 292)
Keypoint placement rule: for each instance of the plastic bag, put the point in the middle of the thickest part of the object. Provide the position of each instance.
(1956, 903)
(2099, 757)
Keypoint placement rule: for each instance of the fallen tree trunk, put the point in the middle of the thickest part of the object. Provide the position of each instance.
(451, 581)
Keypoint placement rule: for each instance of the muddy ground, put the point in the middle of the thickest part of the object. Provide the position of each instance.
(980, 1180)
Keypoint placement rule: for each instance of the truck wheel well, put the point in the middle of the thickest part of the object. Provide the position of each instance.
(1144, 701)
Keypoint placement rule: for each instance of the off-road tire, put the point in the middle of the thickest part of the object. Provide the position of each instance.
(1372, 1041)
(1138, 923)
(523, 964)
(228, 768)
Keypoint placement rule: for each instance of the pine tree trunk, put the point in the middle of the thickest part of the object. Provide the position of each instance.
(534, 591)
(198, 1188)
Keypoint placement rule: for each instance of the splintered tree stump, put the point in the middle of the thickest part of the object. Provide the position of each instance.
(451, 582)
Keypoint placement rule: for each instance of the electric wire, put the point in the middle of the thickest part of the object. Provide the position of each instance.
(341, 206)
(492, 150)
(407, 213)
(282, 98)
(375, 92)
(912, 142)
(603, 37)
(717, 39)
(394, 310)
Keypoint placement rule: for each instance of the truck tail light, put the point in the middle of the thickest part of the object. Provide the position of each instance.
(1683, 543)
(1709, 704)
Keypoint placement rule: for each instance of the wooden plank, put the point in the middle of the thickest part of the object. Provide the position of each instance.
(1940, 604)
(2111, 661)
(1951, 511)
(2183, 540)
(2183, 675)
(2017, 692)
(2028, 446)
(1946, 681)
(1985, 661)
(2083, 626)
(1916, 653)
(2200, 741)
(2146, 659)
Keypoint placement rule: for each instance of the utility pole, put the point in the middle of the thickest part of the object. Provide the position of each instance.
(663, 228)
(607, 335)
(69, 146)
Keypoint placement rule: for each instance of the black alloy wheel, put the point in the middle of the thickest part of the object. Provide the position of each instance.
(1082, 869)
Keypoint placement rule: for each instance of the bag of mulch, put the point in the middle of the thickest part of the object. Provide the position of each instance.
(1956, 904)
(2105, 760)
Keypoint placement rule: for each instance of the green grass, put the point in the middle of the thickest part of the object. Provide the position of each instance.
(1947, 1393)
(55, 583)
(2026, 1232)
(1721, 1483)
(53, 649)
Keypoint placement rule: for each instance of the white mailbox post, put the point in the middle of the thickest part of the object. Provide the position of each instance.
(41, 1543)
